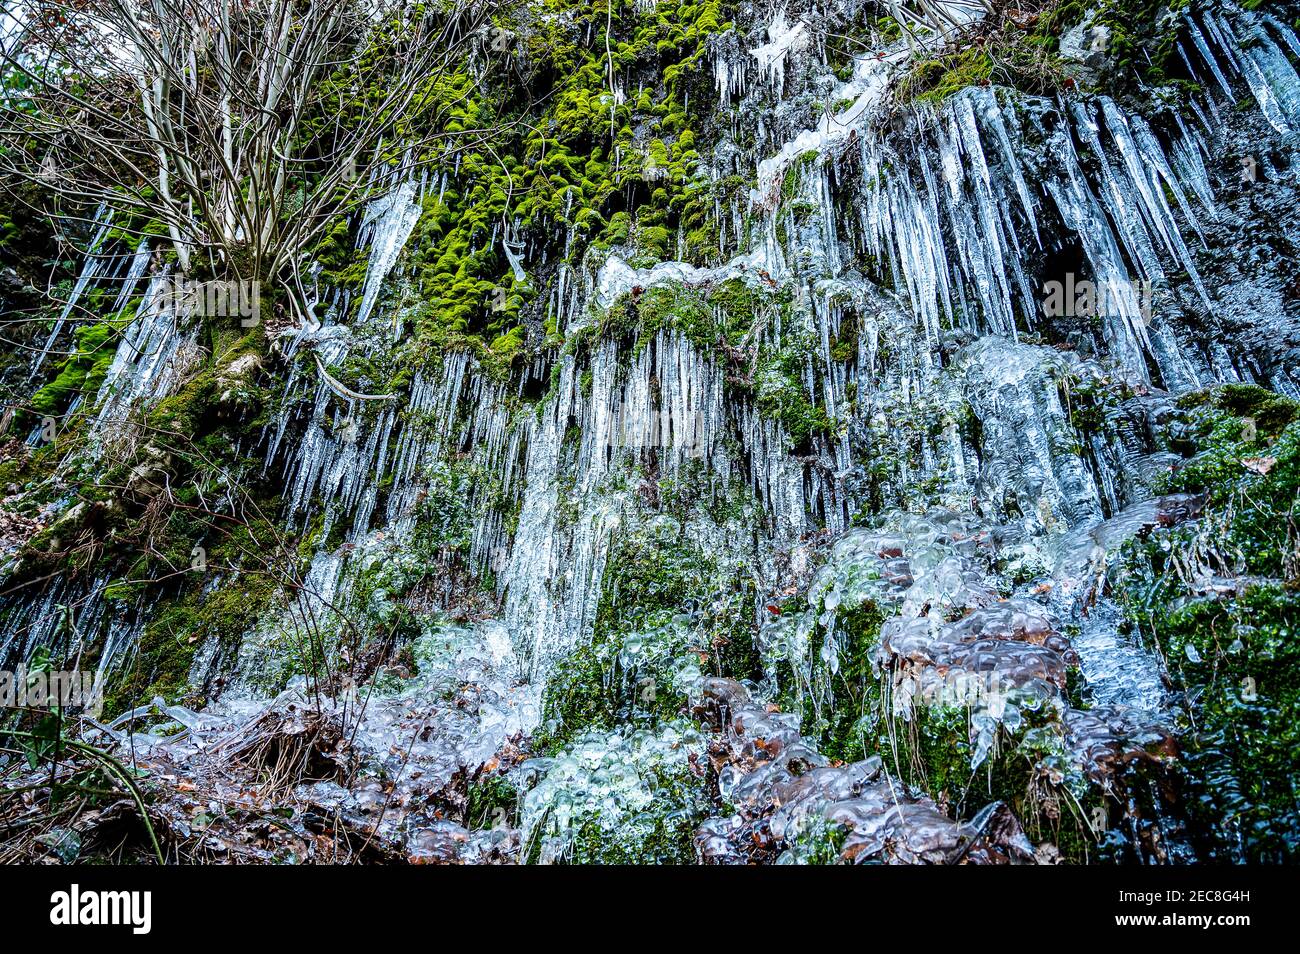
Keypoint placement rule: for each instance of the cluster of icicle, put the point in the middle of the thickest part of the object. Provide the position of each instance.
(1232, 42)
(155, 348)
(669, 400)
(945, 202)
(950, 225)
(950, 213)
(72, 617)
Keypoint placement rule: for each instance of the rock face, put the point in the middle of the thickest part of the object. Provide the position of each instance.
(808, 455)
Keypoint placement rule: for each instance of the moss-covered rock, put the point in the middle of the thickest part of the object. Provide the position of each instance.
(1231, 646)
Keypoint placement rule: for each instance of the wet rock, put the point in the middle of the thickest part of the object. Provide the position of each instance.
(783, 792)
(1108, 738)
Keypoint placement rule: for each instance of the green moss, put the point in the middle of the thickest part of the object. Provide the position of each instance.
(82, 373)
(848, 729)
(579, 695)
(165, 653)
(781, 395)
(938, 78)
(666, 615)
(571, 169)
(628, 673)
(1006, 55)
(816, 841)
(1143, 36)
(1091, 402)
(1234, 656)
(491, 802)
(1023, 53)
(795, 171)
(1028, 768)
(664, 835)
(1251, 483)
(1238, 662)
(1269, 411)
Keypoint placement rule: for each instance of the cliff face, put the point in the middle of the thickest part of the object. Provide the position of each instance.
(789, 436)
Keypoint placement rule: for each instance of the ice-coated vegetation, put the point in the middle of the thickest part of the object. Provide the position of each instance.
(723, 432)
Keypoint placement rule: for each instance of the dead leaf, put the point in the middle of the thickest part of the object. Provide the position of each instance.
(1258, 465)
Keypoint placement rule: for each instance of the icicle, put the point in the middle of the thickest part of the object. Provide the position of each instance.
(389, 222)
(90, 270)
